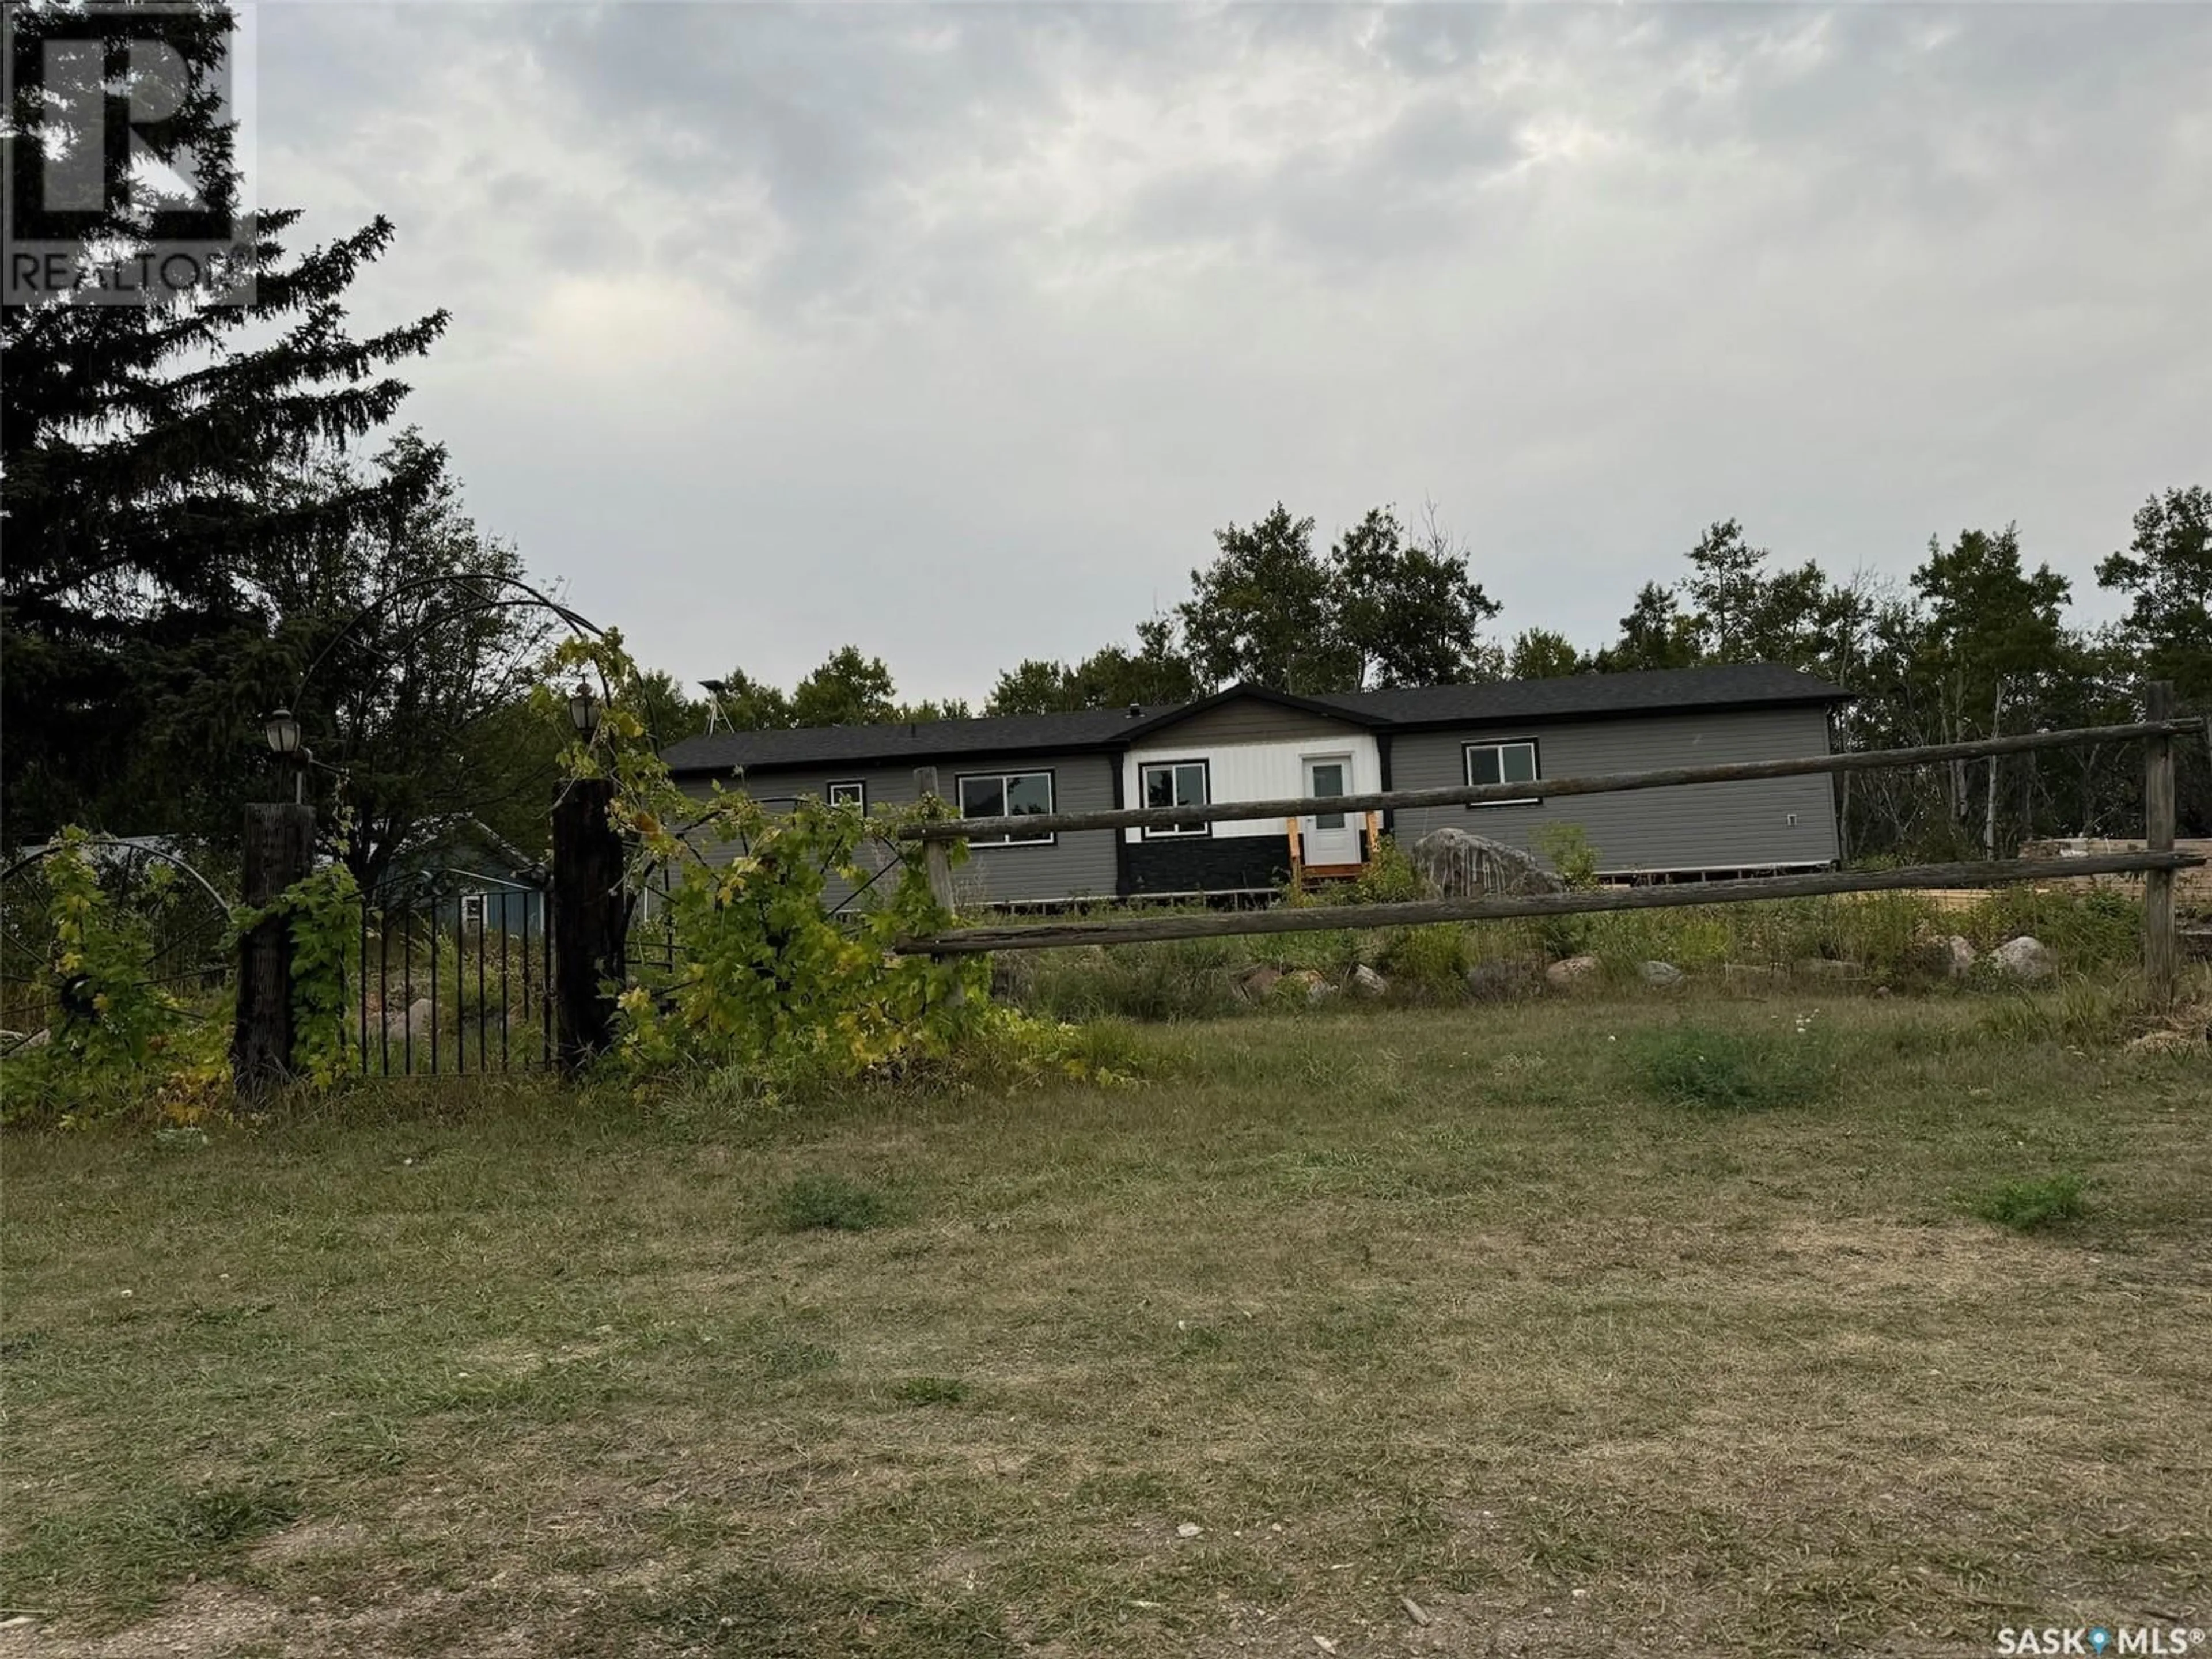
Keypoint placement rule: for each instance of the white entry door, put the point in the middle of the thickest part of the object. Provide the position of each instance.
(1329, 837)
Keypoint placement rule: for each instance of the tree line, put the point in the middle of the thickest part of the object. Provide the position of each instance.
(210, 510)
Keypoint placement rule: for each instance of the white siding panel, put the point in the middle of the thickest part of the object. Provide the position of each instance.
(1257, 771)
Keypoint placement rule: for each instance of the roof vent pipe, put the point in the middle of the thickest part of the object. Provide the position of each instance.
(1135, 710)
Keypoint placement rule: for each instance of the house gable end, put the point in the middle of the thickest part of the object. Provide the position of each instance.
(1249, 714)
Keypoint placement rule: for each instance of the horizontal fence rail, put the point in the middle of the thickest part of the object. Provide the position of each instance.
(1479, 794)
(969, 941)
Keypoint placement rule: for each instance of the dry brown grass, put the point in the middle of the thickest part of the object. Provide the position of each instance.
(1443, 1307)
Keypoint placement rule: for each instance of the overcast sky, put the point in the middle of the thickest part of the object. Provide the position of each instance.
(955, 331)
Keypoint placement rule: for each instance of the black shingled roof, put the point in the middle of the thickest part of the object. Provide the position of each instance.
(1577, 696)
(832, 746)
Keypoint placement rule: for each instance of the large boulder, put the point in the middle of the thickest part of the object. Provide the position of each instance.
(1456, 863)
(1367, 982)
(2024, 958)
(1660, 973)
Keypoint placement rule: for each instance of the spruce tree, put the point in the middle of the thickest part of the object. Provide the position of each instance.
(144, 453)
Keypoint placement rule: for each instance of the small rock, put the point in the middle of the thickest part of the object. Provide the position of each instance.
(1414, 1610)
(1575, 970)
(39, 1038)
(1320, 990)
(1367, 982)
(1957, 958)
(1188, 1529)
(1660, 973)
(1324, 1645)
(2026, 957)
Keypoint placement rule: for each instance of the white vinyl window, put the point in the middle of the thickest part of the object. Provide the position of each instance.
(1504, 763)
(472, 909)
(849, 794)
(1175, 783)
(1006, 794)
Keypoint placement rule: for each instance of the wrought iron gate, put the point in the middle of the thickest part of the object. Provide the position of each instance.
(453, 983)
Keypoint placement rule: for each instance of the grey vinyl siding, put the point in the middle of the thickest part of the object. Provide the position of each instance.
(1077, 865)
(1247, 720)
(1714, 826)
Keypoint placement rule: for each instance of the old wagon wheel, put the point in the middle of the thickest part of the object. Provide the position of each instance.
(178, 924)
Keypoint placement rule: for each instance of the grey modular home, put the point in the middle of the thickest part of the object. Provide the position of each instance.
(1249, 742)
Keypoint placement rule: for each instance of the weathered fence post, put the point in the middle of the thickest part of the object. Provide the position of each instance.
(589, 921)
(279, 850)
(2162, 945)
(936, 855)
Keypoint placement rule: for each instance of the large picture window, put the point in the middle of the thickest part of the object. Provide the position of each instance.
(1175, 783)
(1006, 794)
(1504, 763)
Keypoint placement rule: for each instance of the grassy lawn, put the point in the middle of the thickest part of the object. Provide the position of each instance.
(1588, 1327)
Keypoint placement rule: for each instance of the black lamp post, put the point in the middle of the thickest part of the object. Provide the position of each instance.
(278, 850)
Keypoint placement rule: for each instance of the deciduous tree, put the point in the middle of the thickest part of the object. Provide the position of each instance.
(2167, 573)
(847, 689)
(1538, 654)
(1265, 610)
(1407, 612)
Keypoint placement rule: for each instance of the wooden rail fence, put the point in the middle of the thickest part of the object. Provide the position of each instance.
(2157, 863)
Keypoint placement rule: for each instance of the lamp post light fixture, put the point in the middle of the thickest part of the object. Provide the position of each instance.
(584, 711)
(282, 729)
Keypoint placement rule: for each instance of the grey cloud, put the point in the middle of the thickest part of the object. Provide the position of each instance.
(967, 356)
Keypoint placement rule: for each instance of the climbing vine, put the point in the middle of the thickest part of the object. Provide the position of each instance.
(765, 976)
(106, 1017)
(114, 1040)
(321, 911)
